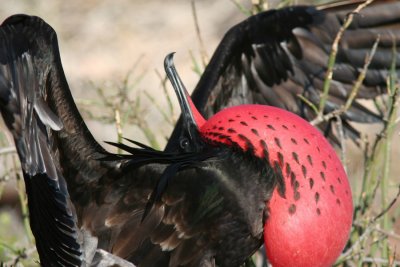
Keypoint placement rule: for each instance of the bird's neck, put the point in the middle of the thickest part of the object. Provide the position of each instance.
(250, 181)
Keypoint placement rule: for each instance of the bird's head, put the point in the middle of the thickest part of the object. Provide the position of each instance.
(310, 216)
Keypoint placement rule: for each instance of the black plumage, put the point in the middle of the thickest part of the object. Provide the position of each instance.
(189, 223)
(272, 57)
(201, 213)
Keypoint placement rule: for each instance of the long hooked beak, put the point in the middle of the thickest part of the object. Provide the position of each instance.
(191, 116)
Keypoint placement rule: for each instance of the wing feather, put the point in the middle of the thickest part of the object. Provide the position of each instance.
(54, 145)
(276, 55)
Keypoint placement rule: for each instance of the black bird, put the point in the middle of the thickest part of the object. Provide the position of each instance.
(202, 202)
(270, 60)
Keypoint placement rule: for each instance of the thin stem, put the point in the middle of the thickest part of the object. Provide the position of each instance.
(332, 56)
(203, 52)
(242, 9)
(361, 76)
(23, 202)
(353, 93)
(342, 140)
(308, 102)
(7, 150)
(393, 91)
(118, 126)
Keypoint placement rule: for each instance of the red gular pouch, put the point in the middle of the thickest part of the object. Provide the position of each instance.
(310, 216)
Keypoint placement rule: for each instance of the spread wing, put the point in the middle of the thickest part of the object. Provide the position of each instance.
(274, 56)
(59, 156)
(206, 216)
(83, 200)
(63, 164)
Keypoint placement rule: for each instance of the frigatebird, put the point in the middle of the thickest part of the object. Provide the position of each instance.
(271, 60)
(221, 182)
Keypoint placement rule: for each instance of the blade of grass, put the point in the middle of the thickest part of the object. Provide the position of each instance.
(241, 8)
(393, 102)
(203, 51)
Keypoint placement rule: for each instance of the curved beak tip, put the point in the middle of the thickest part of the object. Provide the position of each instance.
(190, 113)
(169, 60)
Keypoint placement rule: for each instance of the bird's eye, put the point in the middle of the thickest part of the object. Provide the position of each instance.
(184, 143)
